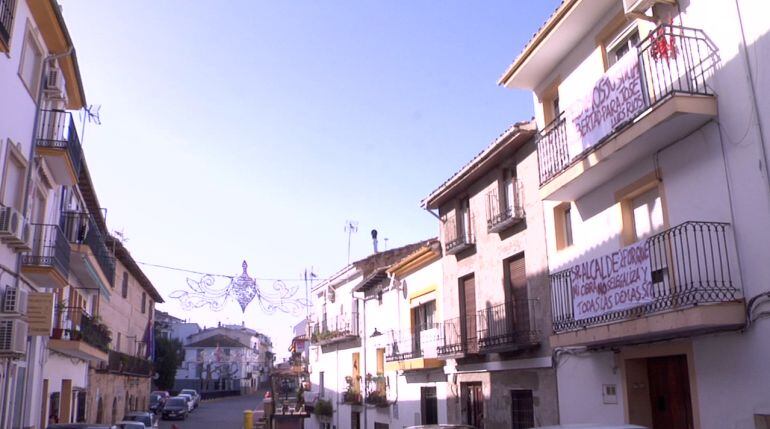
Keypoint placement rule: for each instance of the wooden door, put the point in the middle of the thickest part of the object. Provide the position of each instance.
(468, 312)
(473, 404)
(518, 306)
(670, 392)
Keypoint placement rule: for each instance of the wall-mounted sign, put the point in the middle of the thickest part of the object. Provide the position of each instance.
(40, 314)
(617, 281)
(612, 101)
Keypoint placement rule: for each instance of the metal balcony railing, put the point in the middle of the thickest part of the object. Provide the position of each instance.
(57, 131)
(458, 237)
(511, 324)
(125, 364)
(421, 342)
(689, 266)
(458, 336)
(336, 329)
(504, 209)
(6, 20)
(49, 249)
(80, 228)
(672, 60)
(73, 323)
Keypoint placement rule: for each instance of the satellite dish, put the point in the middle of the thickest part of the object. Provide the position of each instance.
(404, 289)
(156, 376)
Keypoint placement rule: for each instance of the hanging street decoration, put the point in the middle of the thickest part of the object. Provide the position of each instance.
(243, 289)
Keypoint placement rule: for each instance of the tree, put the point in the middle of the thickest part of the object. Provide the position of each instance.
(169, 354)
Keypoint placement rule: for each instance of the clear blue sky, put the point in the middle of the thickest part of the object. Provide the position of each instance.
(253, 130)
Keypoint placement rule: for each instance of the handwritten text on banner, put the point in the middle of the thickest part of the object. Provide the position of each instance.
(614, 99)
(617, 281)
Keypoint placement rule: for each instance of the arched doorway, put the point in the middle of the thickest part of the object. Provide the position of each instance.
(99, 410)
(114, 417)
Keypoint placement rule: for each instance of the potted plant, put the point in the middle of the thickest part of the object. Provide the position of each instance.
(323, 410)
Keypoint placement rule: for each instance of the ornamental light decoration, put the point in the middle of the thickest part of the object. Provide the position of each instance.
(243, 289)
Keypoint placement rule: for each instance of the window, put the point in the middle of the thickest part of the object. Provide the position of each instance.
(622, 45)
(423, 316)
(13, 181)
(6, 23)
(321, 389)
(647, 214)
(117, 343)
(522, 409)
(549, 99)
(31, 62)
(144, 303)
(465, 220)
(124, 285)
(378, 425)
(380, 361)
(355, 420)
(562, 216)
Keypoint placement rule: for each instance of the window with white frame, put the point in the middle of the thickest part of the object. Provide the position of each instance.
(31, 62)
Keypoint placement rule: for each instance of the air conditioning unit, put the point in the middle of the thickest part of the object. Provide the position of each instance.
(54, 84)
(14, 229)
(14, 301)
(13, 336)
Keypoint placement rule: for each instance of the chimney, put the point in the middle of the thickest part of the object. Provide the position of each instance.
(374, 239)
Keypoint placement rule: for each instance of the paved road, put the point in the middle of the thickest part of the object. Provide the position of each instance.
(224, 413)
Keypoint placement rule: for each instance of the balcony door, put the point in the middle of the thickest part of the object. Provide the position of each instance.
(468, 313)
(517, 306)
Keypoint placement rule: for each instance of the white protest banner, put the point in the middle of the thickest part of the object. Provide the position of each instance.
(617, 281)
(614, 99)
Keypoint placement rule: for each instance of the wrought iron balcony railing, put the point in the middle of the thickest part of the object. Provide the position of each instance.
(6, 20)
(80, 228)
(49, 249)
(510, 325)
(458, 236)
(458, 336)
(507, 208)
(672, 60)
(57, 131)
(125, 364)
(73, 323)
(335, 329)
(421, 342)
(690, 265)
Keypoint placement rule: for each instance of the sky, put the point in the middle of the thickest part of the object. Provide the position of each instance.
(255, 130)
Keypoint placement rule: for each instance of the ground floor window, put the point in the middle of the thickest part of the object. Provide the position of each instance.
(355, 420)
(522, 409)
(378, 425)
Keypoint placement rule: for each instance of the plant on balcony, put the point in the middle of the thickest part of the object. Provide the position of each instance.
(351, 395)
(323, 408)
(95, 333)
(376, 393)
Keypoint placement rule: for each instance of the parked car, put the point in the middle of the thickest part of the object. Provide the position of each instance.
(593, 426)
(442, 426)
(79, 426)
(189, 399)
(148, 419)
(192, 392)
(156, 403)
(163, 393)
(175, 408)
(130, 425)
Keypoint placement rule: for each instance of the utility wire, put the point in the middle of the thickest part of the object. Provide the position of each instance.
(185, 270)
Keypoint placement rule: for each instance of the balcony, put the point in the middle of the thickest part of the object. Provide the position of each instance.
(458, 237)
(92, 262)
(377, 391)
(80, 335)
(414, 350)
(339, 329)
(457, 337)
(58, 143)
(6, 22)
(647, 101)
(507, 208)
(47, 264)
(125, 364)
(680, 282)
(509, 326)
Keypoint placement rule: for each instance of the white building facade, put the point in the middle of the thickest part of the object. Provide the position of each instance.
(653, 170)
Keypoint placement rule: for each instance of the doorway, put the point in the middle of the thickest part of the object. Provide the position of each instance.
(472, 398)
(468, 314)
(659, 392)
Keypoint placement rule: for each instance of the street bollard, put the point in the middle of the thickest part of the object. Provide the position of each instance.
(248, 419)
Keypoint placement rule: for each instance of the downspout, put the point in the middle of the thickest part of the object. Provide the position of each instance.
(750, 76)
(398, 312)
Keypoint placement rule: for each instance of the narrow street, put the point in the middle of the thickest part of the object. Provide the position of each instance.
(224, 413)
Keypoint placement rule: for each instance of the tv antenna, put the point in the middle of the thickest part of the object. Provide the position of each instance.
(351, 226)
